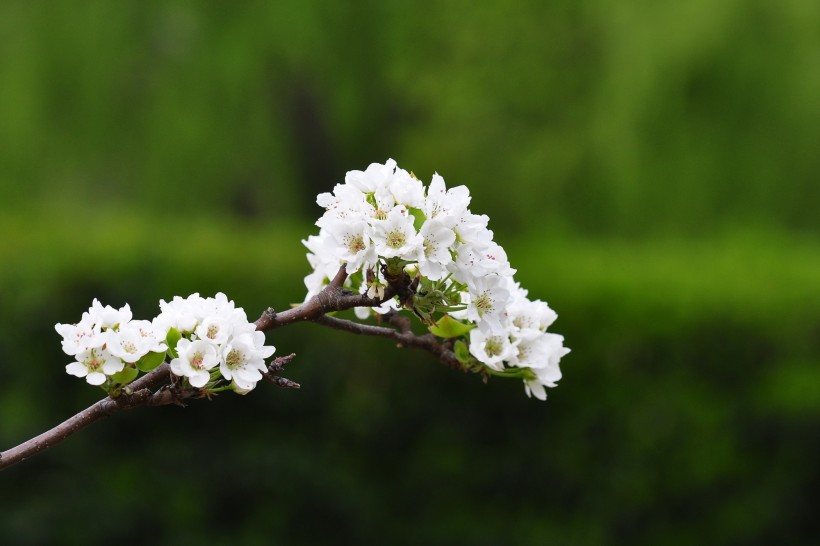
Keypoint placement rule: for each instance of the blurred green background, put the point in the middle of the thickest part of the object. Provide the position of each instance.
(651, 167)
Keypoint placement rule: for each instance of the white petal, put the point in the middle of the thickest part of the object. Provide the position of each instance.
(95, 378)
(76, 369)
(199, 378)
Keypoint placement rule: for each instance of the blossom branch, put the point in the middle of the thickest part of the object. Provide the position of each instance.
(418, 246)
(153, 389)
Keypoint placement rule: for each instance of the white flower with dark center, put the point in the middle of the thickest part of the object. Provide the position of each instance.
(446, 205)
(434, 253)
(217, 330)
(491, 348)
(353, 245)
(480, 259)
(134, 340)
(472, 228)
(95, 364)
(79, 337)
(488, 297)
(196, 358)
(395, 236)
(529, 318)
(243, 360)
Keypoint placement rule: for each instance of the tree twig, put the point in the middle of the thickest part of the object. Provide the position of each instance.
(403, 338)
(142, 395)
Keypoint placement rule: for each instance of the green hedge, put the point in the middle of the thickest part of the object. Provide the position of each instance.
(687, 414)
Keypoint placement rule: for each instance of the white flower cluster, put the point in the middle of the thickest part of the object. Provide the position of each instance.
(105, 340)
(385, 215)
(198, 333)
(215, 332)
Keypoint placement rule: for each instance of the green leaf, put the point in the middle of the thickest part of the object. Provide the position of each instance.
(356, 280)
(419, 217)
(150, 361)
(461, 352)
(172, 339)
(125, 376)
(448, 327)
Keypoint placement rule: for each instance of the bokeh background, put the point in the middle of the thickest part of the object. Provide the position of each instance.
(651, 167)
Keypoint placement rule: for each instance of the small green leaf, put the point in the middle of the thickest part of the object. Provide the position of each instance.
(172, 339)
(356, 280)
(125, 376)
(448, 327)
(150, 361)
(461, 352)
(418, 217)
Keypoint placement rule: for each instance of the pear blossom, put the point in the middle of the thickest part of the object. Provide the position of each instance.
(395, 236)
(370, 223)
(491, 348)
(196, 358)
(440, 258)
(354, 246)
(446, 205)
(216, 329)
(108, 317)
(79, 337)
(243, 360)
(488, 297)
(529, 318)
(181, 314)
(375, 177)
(95, 364)
(434, 252)
(215, 332)
(136, 339)
(406, 189)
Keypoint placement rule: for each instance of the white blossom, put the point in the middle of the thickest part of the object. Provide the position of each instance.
(108, 317)
(243, 360)
(136, 339)
(434, 252)
(353, 245)
(395, 236)
(79, 337)
(95, 365)
(488, 297)
(446, 205)
(196, 358)
(491, 348)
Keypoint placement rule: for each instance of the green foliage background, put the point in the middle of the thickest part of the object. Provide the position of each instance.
(651, 168)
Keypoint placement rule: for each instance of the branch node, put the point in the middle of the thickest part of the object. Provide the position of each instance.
(282, 382)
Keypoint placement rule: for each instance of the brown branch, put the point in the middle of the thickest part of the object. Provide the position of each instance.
(403, 338)
(141, 395)
(332, 298)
